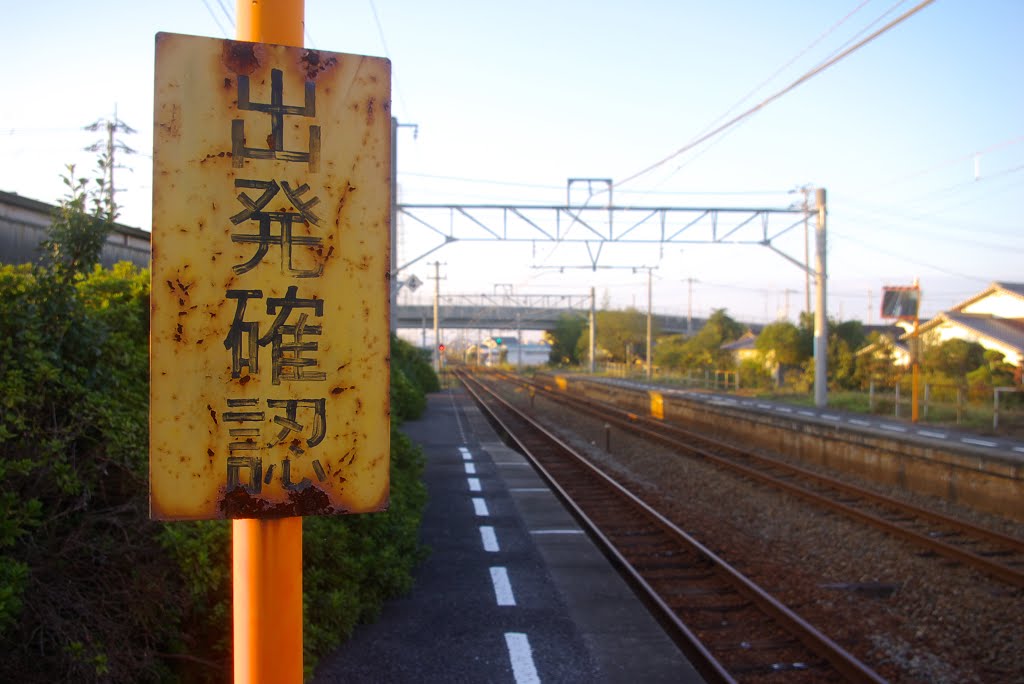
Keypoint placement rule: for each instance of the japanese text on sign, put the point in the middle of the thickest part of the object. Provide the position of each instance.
(269, 355)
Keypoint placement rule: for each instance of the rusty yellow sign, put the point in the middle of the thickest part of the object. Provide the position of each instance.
(269, 353)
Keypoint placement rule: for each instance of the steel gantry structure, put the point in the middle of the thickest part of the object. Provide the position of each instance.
(596, 227)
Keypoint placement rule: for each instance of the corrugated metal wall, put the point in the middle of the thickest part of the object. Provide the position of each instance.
(24, 222)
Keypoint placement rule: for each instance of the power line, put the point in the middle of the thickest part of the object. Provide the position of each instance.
(971, 183)
(905, 257)
(561, 188)
(213, 16)
(227, 15)
(778, 71)
(952, 160)
(792, 86)
(785, 66)
(387, 53)
(871, 210)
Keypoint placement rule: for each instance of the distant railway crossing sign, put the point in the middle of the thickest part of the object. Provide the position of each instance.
(269, 326)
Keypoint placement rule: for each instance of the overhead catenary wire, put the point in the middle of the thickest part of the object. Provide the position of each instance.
(761, 85)
(775, 96)
(216, 20)
(387, 53)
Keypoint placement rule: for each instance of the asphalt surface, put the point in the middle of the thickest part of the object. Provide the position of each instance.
(513, 590)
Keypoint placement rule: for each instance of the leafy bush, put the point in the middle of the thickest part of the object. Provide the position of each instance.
(90, 588)
(86, 591)
(415, 365)
(354, 563)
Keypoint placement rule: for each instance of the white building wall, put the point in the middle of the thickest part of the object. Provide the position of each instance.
(998, 304)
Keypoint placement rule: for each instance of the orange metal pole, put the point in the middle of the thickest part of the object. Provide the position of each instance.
(267, 596)
(281, 22)
(915, 376)
(267, 554)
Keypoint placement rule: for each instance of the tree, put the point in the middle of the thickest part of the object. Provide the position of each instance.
(670, 352)
(82, 222)
(879, 365)
(781, 341)
(564, 339)
(844, 339)
(620, 334)
(704, 348)
(951, 360)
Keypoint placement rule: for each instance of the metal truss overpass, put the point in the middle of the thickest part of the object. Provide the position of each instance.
(515, 312)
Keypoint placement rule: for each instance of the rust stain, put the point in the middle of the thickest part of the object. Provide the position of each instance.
(240, 57)
(314, 64)
(310, 500)
(172, 126)
(195, 267)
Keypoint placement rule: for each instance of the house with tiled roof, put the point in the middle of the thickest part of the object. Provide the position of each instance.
(994, 318)
(743, 348)
(890, 342)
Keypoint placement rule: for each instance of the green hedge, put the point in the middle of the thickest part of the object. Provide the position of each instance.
(90, 588)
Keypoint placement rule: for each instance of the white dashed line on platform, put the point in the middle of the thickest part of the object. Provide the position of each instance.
(480, 507)
(783, 409)
(829, 416)
(470, 469)
(474, 484)
(807, 413)
(892, 428)
(521, 656)
(489, 539)
(1019, 450)
(860, 422)
(466, 456)
(977, 442)
(502, 587)
(929, 433)
(764, 406)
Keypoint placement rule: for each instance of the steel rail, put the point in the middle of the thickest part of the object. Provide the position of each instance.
(656, 430)
(822, 646)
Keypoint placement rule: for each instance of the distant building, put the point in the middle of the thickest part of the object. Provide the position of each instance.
(508, 351)
(743, 348)
(994, 318)
(24, 224)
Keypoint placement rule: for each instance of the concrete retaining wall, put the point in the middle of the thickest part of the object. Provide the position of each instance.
(984, 481)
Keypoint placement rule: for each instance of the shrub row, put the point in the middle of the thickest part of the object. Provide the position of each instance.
(90, 588)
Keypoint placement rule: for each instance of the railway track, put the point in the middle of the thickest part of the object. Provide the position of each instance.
(996, 554)
(731, 629)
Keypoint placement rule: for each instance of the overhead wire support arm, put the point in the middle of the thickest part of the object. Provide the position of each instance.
(498, 236)
(532, 223)
(782, 232)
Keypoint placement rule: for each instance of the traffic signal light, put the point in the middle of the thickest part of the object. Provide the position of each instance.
(440, 348)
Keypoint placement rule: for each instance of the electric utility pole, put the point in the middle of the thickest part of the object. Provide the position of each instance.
(650, 272)
(689, 306)
(820, 312)
(110, 147)
(437, 320)
(395, 284)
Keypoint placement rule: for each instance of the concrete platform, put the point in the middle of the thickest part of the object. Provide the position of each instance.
(513, 590)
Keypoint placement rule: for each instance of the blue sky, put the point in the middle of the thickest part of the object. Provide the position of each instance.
(918, 136)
